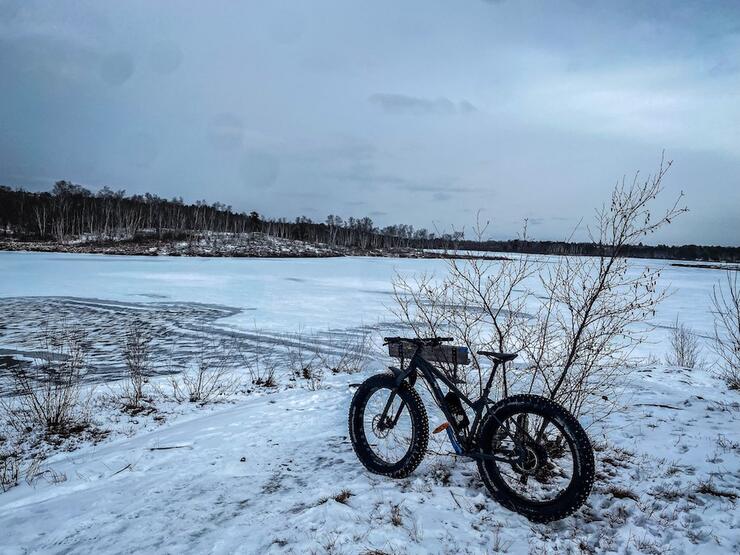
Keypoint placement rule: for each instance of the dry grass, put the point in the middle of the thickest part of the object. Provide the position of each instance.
(621, 493)
(341, 497)
(10, 471)
(708, 488)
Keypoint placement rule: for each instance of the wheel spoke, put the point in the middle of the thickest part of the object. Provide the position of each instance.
(388, 426)
(549, 461)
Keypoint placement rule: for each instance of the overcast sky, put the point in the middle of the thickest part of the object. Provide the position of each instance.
(418, 112)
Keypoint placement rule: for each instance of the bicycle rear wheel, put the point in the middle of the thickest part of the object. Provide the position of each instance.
(394, 444)
(551, 468)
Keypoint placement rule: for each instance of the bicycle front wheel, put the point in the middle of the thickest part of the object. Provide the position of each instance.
(551, 463)
(388, 426)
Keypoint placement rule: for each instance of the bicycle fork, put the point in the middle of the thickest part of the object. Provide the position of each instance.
(384, 415)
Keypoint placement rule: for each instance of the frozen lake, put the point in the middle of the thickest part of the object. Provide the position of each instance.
(273, 295)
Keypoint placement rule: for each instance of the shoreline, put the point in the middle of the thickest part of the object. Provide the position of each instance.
(269, 249)
(272, 247)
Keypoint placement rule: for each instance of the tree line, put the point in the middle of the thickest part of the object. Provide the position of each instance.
(71, 211)
(707, 253)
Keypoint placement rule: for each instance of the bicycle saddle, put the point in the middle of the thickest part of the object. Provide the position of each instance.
(500, 357)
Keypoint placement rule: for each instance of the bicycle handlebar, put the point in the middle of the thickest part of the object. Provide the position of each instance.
(419, 341)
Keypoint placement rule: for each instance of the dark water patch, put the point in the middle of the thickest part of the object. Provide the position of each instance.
(31, 322)
(181, 335)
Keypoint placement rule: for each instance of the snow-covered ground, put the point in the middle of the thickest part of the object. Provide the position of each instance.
(272, 471)
(275, 473)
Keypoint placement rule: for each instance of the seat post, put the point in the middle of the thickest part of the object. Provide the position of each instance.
(506, 387)
(489, 383)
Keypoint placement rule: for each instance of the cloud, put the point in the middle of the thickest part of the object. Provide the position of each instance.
(441, 188)
(165, 57)
(45, 59)
(367, 176)
(271, 107)
(259, 170)
(402, 104)
(116, 68)
(226, 131)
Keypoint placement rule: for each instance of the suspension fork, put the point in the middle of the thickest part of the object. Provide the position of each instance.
(400, 375)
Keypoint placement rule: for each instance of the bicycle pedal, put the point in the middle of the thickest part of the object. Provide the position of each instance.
(443, 426)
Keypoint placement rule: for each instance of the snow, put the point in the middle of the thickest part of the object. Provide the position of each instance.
(272, 471)
(260, 476)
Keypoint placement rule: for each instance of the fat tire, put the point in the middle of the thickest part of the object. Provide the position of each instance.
(420, 427)
(583, 468)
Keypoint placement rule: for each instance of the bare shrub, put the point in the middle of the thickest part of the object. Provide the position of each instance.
(577, 337)
(304, 361)
(137, 355)
(210, 375)
(479, 301)
(48, 391)
(349, 354)
(263, 373)
(726, 344)
(685, 350)
(313, 376)
(586, 329)
(261, 366)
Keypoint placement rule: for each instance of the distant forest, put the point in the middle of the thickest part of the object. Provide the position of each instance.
(72, 211)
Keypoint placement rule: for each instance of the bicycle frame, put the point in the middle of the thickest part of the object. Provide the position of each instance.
(465, 437)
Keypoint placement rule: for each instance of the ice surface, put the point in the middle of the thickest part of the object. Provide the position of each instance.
(288, 294)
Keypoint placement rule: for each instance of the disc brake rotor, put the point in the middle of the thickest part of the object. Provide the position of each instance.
(380, 430)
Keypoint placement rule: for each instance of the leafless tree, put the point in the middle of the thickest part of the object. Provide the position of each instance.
(576, 338)
(685, 350)
(588, 324)
(726, 309)
(481, 302)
